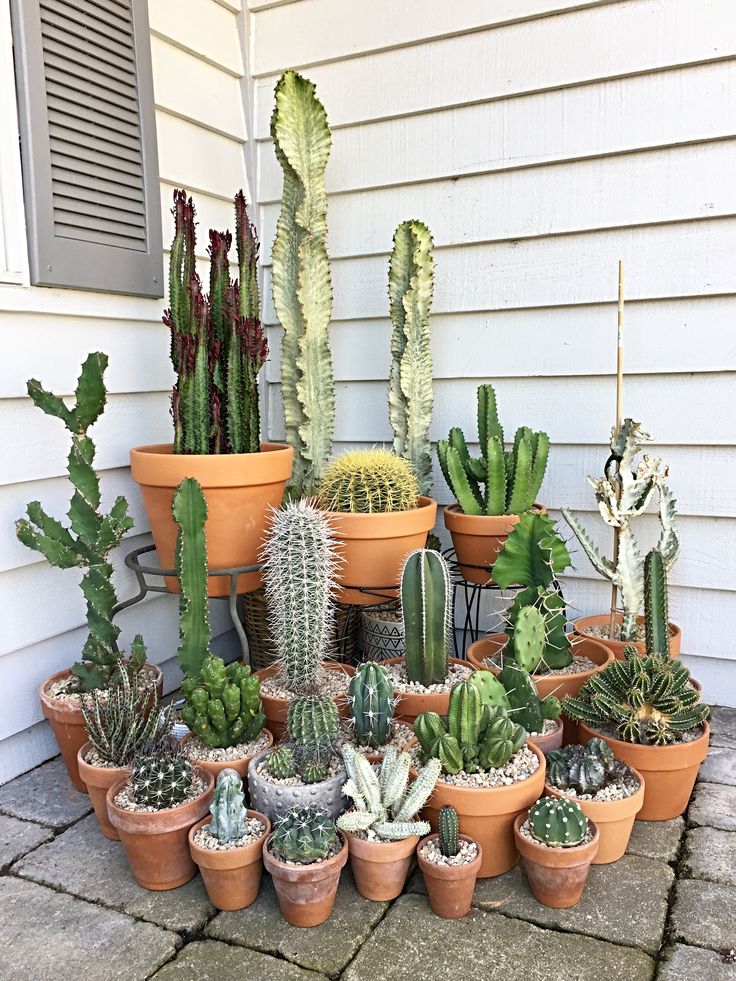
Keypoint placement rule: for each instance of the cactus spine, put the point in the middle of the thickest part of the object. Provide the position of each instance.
(162, 779)
(313, 722)
(229, 816)
(302, 290)
(305, 836)
(557, 823)
(189, 509)
(426, 601)
(655, 604)
(371, 697)
(281, 763)
(368, 482)
(410, 287)
(449, 837)
(223, 705)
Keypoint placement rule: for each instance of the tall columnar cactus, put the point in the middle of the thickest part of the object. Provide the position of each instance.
(299, 578)
(368, 482)
(229, 816)
(656, 622)
(302, 290)
(305, 835)
(223, 705)
(371, 696)
(512, 477)
(161, 779)
(189, 509)
(449, 838)
(426, 602)
(557, 823)
(515, 692)
(622, 496)
(91, 535)
(410, 399)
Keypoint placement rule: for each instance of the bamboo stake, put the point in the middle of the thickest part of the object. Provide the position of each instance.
(619, 410)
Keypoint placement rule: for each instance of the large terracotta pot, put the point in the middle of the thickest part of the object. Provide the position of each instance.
(240, 489)
(275, 709)
(156, 843)
(618, 646)
(98, 780)
(613, 818)
(215, 767)
(556, 876)
(450, 888)
(373, 548)
(67, 723)
(409, 705)
(477, 540)
(380, 868)
(232, 877)
(669, 772)
(306, 893)
(487, 815)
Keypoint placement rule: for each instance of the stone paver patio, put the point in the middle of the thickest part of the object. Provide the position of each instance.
(71, 909)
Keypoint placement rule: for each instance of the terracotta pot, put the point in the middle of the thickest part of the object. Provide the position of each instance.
(373, 548)
(240, 765)
(618, 646)
(67, 723)
(669, 772)
(411, 704)
(380, 868)
(240, 488)
(553, 740)
(477, 540)
(156, 842)
(487, 815)
(275, 709)
(450, 888)
(556, 876)
(306, 893)
(613, 818)
(98, 780)
(232, 877)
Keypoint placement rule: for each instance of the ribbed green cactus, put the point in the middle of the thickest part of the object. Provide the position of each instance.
(410, 287)
(368, 482)
(229, 816)
(427, 607)
(655, 604)
(621, 497)
(371, 697)
(91, 535)
(161, 780)
(526, 707)
(305, 835)
(585, 769)
(189, 509)
(313, 723)
(557, 823)
(447, 824)
(302, 290)
(223, 704)
(512, 477)
(281, 763)
(300, 582)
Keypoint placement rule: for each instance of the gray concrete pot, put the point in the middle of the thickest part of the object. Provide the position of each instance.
(274, 800)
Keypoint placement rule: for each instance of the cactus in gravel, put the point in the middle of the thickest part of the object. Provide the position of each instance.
(426, 602)
(368, 482)
(281, 763)
(371, 697)
(189, 509)
(305, 835)
(449, 837)
(622, 496)
(302, 290)
(526, 707)
(229, 816)
(223, 705)
(512, 477)
(557, 823)
(313, 724)
(585, 769)
(299, 578)
(410, 287)
(161, 779)
(91, 535)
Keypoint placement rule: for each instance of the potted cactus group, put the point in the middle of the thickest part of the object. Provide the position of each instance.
(450, 863)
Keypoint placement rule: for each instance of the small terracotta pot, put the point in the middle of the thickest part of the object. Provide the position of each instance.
(618, 646)
(240, 489)
(477, 540)
(450, 888)
(67, 723)
(215, 767)
(373, 548)
(232, 877)
(487, 815)
(553, 740)
(156, 842)
(98, 780)
(613, 818)
(669, 772)
(409, 705)
(306, 893)
(275, 709)
(380, 868)
(556, 876)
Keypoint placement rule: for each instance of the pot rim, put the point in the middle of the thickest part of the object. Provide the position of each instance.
(255, 760)
(156, 465)
(64, 707)
(305, 873)
(575, 641)
(378, 525)
(244, 851)
(585, 852)
(594, 618)
(91, 768)
(167, 449)
(134, 822)
(468, 870)
(624, 806)
(667, 757)
(460, 517)
(330, 664)
(227, 763)
(381, 852)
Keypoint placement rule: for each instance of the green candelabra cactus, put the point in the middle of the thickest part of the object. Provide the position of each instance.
(223, 705)
(371, 697)
(189, 509)
(426, 603)
(229, 816)
(305, 835)
(557, 823)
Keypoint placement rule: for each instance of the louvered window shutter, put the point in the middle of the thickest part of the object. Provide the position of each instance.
(88, 142)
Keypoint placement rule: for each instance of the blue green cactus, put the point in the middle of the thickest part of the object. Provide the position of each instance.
(426, 603)
(229, 816)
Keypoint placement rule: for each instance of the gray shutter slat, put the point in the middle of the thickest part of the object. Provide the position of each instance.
(93, 169)
(118, 74)
(104, 208)
(106, 87)
(78, 103)
(60, 12)
(87, 184)
(78, 233)
(94, 136)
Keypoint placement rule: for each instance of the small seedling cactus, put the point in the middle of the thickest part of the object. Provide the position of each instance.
(229, 816)
(304, 836)
(426, 603)
(557, 823)
(368, 482)
(449, 837)
(371, 698)
(281, 764)
(585, 769)
(161, 780)
(223, 705)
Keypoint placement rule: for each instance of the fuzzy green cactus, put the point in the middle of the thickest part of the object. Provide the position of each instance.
(313, 724)
(302, 290)
(410, 287)
(281, 763)
(305, 835)
(557, 823)
(449, 838)
(223, 704)
(161, 780)
(91, 535)
(426, 603)
(512, 477)
(371, 698)
(229, 816)
(368, 482)
(526, 707)
(189, 509)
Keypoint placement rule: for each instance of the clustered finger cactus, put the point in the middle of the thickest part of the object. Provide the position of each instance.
(229, 816)
(305, 835)
(585, 769)
(189, 510)
(512, 478)
(161, 779)
(515, 692)
(372, 703)
(448, 827)
(427, 607)
(368, 482)
(223, 704)
(557, 823)
(384, 802)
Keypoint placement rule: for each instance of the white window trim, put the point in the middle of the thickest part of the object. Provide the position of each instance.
(13, 242)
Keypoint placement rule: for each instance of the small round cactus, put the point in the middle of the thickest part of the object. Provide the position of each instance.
(305, 835)
(448, 829)
(313, 723)
(368, 482)
(557, 823)
(280, 763)
(314, 772)
(163, 780)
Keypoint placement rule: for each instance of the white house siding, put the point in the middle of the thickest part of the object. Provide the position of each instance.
(541, 141)
(198, 65)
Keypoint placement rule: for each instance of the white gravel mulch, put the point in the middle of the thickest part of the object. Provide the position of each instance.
(332, 683)
(603, 632)
(401, 683)
(402, 736)
(195, 750)
(431, 852)
(521, 766)
(64, 689)
(255, 830)
(615, 791)
(578, 664)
